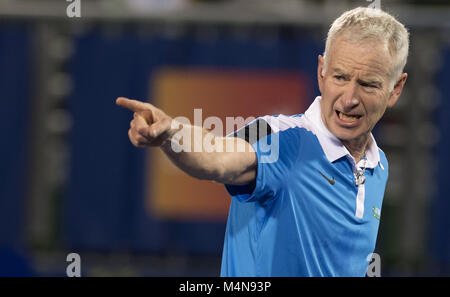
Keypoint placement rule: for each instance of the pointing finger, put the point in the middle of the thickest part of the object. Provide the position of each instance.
(133, 105)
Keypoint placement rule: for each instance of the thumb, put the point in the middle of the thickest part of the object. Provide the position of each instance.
(159, 128)
(147, 116)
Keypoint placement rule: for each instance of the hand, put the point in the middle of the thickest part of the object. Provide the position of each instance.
(149, 126)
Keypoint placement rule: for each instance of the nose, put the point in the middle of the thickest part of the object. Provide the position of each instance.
(350, 97)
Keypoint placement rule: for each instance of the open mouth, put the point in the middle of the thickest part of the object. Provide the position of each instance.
(347, 117)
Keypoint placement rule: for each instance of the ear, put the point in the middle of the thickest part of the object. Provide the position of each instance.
(397, 91)
(320, 64)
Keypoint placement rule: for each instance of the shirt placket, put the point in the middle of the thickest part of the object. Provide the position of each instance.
(361, 194)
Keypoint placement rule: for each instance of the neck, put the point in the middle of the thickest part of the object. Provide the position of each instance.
(357, 147)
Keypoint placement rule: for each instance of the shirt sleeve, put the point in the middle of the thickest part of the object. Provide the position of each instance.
(276, 152)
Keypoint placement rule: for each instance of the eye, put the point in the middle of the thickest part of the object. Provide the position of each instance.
(339, 77)
(368, 85)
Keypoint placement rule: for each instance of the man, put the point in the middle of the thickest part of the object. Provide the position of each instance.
(314, 211)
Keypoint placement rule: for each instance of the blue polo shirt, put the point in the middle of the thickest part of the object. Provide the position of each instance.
(304, 215)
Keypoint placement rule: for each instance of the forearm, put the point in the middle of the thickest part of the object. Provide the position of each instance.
(193, 149)
(202, 155)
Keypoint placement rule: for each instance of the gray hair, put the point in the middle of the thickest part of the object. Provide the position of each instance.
(364, 23)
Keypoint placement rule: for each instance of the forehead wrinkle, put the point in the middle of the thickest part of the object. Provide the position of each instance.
(361, 57)
(373, 70)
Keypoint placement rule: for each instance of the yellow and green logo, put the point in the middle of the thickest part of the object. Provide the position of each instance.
(376, 212)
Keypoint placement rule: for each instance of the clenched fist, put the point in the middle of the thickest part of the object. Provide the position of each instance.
(150, 125)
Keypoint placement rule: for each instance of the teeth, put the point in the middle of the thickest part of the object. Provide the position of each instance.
(347, 117)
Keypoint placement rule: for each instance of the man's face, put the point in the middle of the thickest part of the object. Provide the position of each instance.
(355, 87)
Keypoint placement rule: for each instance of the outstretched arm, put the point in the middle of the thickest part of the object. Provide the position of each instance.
(152, 127)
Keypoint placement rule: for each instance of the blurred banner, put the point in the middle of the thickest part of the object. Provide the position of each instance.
(229, 75)
(231, 94)
(15, 67)
(440, 207)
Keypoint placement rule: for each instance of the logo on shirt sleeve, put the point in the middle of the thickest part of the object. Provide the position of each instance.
(376, 212)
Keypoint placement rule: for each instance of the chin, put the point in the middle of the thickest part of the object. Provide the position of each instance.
(345, 135)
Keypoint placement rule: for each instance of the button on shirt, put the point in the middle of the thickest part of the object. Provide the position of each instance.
(303, 215)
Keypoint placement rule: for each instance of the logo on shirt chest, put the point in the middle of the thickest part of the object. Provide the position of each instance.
(331, 181)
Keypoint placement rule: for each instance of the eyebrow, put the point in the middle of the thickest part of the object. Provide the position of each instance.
(341, 72)
(373, 82)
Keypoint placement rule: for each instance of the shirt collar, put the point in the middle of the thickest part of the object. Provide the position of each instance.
(331, 145)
